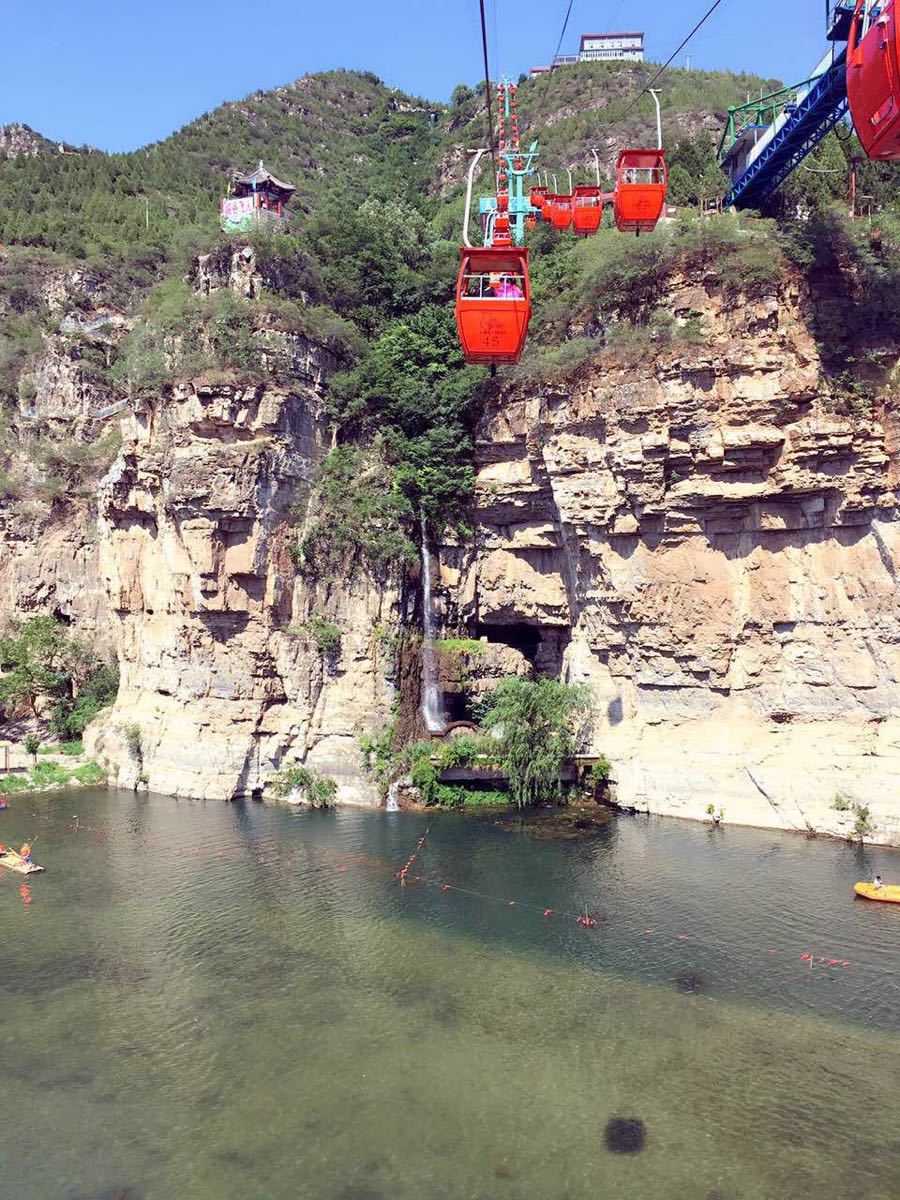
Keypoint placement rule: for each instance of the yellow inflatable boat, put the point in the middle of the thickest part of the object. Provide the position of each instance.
(15, 862)
(888, 892)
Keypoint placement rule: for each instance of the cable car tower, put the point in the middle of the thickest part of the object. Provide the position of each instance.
(512, 195)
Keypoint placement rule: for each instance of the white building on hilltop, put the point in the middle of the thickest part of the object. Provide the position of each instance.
(596, 47)
(601, 47)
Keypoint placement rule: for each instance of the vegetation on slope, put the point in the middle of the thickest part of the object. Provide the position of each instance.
(48, 672)
(369, 264)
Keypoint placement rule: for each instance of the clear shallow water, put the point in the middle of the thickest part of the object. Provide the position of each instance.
(213, 1001)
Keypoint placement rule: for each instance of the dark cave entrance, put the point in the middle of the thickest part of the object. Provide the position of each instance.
(542, 645)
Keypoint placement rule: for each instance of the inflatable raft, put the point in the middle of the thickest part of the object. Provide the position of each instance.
(15, 862)
(888, 892)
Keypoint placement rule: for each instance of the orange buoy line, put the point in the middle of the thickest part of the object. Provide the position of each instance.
(271, 844)
(404, 870)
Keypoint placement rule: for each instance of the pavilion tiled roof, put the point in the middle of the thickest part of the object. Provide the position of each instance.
(262, 176)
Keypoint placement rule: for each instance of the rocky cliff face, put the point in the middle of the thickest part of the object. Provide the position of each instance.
(222, 679)
(701, 532)
(700, 537)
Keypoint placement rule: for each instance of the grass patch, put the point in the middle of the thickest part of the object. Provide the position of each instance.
(47, 775)
(460, 645)
(73, 749)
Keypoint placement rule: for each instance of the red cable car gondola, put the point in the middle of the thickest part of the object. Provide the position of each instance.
(547, 206)
(588, 209)
(873, 77)
(561, 212)
(493, 303)
(537, 196)
(640, 195)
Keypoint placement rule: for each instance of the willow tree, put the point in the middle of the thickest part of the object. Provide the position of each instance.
(535, 722)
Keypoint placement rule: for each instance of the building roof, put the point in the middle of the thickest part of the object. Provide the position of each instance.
(585, 36)
(262, 177)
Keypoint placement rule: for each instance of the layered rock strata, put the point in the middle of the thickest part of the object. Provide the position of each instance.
(222, 680)
(700, 538)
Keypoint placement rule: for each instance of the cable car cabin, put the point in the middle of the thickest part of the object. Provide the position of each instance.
(640, 194)
(587, 209)
(547, 206)
(536, 197)
(493, 303)
(561, 212)
(873, 77)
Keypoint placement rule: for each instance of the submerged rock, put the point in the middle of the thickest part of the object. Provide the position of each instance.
(624, 1135)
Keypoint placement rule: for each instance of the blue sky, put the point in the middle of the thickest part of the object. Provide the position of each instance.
(120, 75)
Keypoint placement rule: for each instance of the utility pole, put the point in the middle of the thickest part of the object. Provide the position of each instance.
(655, 96)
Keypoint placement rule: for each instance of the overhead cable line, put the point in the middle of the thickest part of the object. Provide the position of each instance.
(645, 90)
(487, 86)
(562, 34)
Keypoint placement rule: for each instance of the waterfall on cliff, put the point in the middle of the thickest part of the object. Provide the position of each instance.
(432, 705)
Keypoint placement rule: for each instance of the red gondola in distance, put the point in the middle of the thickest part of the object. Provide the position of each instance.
(873, 77)
(640, 196)
(561, 212)
(536, 198)
(547, 202)
(587, 211)
(493, 303)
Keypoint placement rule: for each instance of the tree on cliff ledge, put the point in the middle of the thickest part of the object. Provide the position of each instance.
(535, 722)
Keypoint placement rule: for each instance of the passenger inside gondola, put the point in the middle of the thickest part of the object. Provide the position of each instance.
(493, 285)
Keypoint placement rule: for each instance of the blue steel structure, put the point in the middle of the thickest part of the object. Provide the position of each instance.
(787, 125)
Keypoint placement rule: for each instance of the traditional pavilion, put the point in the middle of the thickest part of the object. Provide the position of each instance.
(255, 199)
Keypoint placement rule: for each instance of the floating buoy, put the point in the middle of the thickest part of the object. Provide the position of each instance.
(548, 912)
(446, 887)
(806, 958)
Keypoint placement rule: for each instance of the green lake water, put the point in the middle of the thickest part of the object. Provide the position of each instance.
(215, 1001)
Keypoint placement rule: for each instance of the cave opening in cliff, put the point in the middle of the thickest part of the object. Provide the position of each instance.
(542, 645)
(457, 706)
(524, 638)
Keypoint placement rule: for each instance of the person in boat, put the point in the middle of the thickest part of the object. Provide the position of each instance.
(25, 854)
(877, 881)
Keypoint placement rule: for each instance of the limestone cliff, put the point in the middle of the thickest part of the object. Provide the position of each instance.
(222, 681)
(703, 531)
(701, 537)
